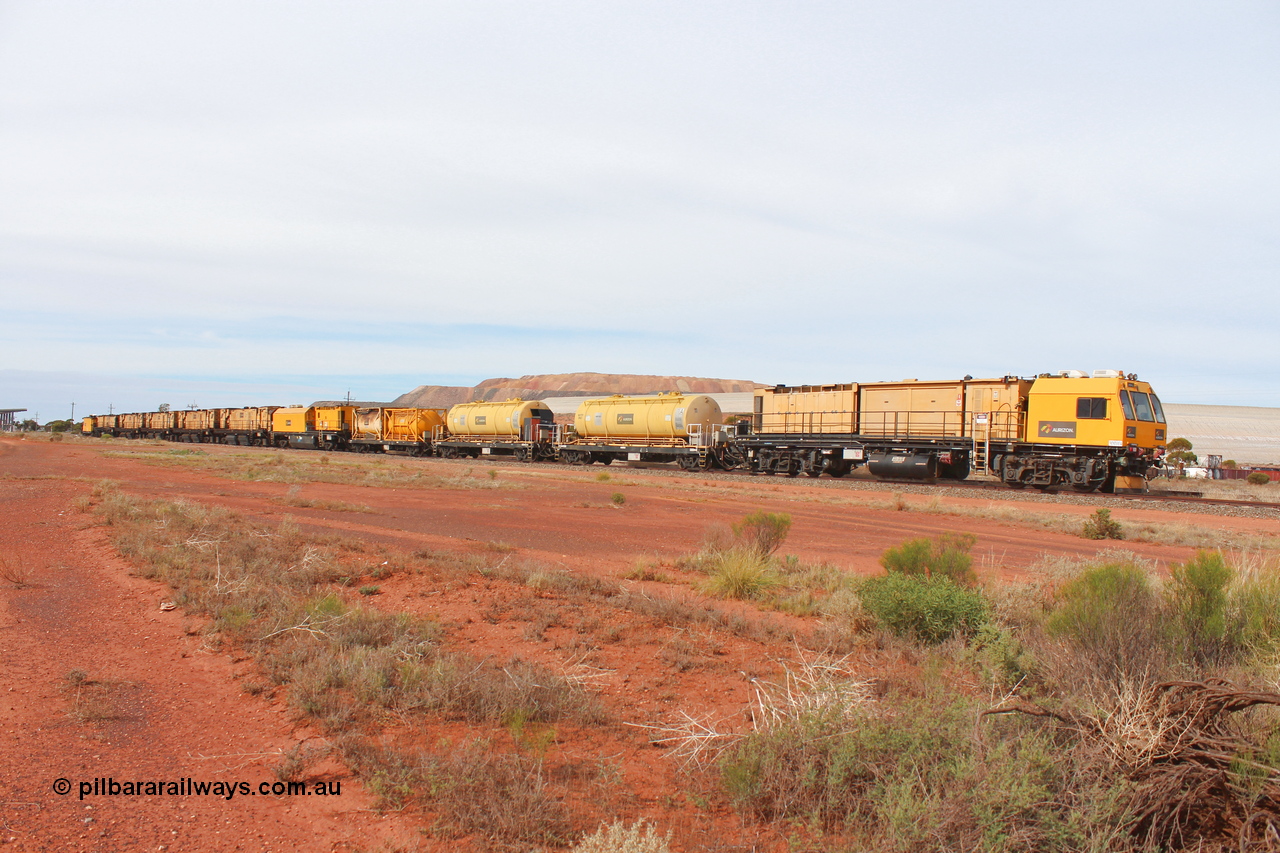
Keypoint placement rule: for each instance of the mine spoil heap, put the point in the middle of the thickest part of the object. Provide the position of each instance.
(568, 385)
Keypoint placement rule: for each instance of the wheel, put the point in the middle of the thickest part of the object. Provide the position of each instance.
(602, 458)
(521, 454)
(839, 468)
(690, 463)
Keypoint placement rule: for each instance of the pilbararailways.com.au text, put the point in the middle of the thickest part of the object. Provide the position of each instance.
(188, 787)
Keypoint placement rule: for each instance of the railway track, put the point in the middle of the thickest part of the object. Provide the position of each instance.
(1190, 500)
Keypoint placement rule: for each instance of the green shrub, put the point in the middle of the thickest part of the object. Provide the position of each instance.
(1257, 478)
(1254, 608)
(1101, 525)
(763, 532)
(1113, 617)
(1003, 654)
(1197, 592)
(928, 609)
(618, 498)
(916, 778)
(944, 557)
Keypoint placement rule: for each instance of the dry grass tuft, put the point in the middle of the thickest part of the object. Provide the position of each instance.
(15, 572)
(617, 837)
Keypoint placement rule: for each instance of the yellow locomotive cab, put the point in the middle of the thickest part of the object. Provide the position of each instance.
(1110, 410)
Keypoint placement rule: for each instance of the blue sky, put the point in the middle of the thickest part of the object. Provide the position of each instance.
(260, 202)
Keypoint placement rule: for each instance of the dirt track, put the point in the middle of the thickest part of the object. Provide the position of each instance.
(169, 708)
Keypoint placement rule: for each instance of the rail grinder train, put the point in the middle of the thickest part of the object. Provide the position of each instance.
(1104, 430)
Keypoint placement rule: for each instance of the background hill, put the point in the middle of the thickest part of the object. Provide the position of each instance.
(568, 385)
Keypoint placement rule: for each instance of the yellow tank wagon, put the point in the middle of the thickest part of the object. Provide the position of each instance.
(684, 428)
(522, 429)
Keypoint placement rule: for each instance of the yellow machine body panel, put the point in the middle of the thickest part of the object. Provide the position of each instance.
(1107, 411)
(131, 420)
(995, 409)
(294, 419)
(492, 419)
(108, 421)
(410, 424)
(334, 418)
(806, 409)
(88, 425)
(913, 408)
(663, 417)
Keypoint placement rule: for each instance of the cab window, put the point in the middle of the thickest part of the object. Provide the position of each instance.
(1091, 408)
(1155, 404)
(1127, 406)
(1142, 405)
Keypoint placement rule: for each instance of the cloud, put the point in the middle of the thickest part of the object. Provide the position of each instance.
(800, 193)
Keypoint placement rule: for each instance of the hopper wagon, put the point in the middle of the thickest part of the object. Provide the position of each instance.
(247, 426)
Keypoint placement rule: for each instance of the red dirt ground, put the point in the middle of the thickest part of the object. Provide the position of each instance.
(178, 709)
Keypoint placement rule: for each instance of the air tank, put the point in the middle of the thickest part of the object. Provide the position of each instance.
(903, 465)
(496, 420)
(664, 416)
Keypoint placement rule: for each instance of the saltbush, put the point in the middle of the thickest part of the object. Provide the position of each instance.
(945, 557)
(1113, 618)
(763, 532)
(1197, 593)
(1257, 478)
(914, 779)
(1101, 525)
(930, 609)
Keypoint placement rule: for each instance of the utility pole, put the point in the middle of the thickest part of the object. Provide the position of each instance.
(73, 410)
